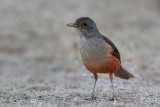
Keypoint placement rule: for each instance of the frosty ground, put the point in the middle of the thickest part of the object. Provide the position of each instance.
(40, 64)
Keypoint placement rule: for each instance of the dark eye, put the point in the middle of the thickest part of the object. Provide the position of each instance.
(84, 24)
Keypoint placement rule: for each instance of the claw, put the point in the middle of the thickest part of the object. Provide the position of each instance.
(113, 99)
(93, 97)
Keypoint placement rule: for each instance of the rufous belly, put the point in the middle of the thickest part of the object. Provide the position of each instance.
(111, 65)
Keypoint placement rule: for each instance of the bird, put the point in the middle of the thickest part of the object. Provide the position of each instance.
(98, 53)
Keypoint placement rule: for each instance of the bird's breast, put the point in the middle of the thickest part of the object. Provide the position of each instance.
(94, 51)
(97, 56)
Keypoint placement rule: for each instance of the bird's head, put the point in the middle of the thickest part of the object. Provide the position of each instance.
(85, 26)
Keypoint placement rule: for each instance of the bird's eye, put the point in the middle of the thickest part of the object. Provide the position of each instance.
(84, 24)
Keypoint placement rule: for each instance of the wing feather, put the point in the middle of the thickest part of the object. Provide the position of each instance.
(115, 50)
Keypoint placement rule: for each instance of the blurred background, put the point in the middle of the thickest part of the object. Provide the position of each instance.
(39, 54)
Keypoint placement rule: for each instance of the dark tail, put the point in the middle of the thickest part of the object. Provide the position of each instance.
(122, 73)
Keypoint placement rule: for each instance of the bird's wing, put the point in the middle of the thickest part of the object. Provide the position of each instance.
(115, 50)
(121, 72)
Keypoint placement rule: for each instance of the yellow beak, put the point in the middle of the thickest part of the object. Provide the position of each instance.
(72, 25)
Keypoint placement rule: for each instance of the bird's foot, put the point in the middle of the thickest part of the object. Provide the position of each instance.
(93, 97)
(113, 99)
(90, 98)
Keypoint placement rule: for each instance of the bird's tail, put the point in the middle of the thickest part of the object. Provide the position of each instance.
(122, 73)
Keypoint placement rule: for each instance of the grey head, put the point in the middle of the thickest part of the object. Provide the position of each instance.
(86, 27)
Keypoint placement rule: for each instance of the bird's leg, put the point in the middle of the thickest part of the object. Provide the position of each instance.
(111, 79)
(96, 77)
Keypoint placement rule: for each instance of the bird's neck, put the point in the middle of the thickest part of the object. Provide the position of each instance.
(89, 35)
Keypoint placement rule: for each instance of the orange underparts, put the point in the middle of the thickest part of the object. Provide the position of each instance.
(111, 65)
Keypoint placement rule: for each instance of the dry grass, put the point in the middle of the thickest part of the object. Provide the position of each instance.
(39, 56)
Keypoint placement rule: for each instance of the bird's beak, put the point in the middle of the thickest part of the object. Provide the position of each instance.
(72, 25)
